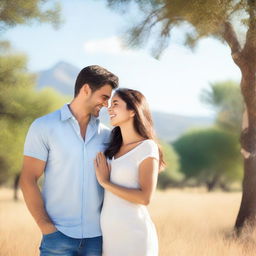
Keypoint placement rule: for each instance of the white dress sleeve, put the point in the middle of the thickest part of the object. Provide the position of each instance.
(149, 149)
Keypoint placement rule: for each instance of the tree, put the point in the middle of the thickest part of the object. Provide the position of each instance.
(210, 156)
(20, 104)
(223, 20)
(14, 12)
(171, 175)
(226, 99)
(16, 83)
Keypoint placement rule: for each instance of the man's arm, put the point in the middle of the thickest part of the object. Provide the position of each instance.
(32, 169)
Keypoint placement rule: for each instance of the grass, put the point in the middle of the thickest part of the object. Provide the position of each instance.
(189, 222)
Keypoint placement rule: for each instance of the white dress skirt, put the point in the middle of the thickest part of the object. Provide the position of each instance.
(127, 228)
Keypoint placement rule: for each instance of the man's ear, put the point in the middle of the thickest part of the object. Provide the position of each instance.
(86, 89)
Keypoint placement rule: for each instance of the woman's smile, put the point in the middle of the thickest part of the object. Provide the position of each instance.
(112, 116)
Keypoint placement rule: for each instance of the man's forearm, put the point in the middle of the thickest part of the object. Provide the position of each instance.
(35, 204)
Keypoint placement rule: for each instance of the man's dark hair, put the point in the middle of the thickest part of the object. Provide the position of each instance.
(96, 77)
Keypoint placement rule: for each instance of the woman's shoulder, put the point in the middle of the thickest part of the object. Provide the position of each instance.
(149, 148)
(150, 143)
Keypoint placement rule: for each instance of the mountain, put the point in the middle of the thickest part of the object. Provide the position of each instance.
(61, 77)
(168, 126)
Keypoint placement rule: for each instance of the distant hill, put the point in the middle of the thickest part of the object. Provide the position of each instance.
(61, 77)
(168, 126)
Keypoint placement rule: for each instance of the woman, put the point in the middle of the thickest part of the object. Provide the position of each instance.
(130, 179)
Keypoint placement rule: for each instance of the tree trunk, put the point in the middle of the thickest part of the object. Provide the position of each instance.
(16, 187)
(212, 184)
(224, 186)
(247, 212)
(245, 58)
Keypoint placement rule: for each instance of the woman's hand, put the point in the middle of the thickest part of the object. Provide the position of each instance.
(102, 169)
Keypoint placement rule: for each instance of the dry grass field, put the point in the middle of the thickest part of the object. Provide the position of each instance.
(189, 222)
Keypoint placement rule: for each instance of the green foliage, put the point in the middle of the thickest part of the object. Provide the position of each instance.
(226, 98)
(171, 175)
(20, 104)
(201, 18)
(210, 155)
(13, 12)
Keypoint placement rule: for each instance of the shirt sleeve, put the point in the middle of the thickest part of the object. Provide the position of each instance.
(150, 149)
(35, 142)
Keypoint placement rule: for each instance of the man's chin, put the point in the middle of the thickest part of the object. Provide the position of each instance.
(96, 113)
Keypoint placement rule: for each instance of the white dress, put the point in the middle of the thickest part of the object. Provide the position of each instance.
(127, 228)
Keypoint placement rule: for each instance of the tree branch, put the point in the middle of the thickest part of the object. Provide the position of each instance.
(251, 33)
(13, 116)
(230, 37)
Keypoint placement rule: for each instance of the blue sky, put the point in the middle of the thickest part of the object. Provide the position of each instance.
(92, 34)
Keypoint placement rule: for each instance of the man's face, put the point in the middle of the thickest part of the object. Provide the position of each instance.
(99, 99)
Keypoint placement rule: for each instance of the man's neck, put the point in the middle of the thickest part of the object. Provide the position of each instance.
(79, 112)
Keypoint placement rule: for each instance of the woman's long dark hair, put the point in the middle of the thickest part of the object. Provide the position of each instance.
(143, 122)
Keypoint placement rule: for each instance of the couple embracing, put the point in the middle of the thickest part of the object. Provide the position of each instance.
(97, 182)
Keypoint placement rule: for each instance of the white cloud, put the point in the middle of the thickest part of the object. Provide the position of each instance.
(111, 45)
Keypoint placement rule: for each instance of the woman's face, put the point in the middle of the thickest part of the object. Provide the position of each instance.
(118, 112)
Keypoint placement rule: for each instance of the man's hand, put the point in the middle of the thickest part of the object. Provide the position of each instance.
(47, 228)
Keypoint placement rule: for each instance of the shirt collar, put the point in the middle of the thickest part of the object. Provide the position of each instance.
(66, 114)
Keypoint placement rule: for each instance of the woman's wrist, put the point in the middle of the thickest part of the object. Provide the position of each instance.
(105, 184)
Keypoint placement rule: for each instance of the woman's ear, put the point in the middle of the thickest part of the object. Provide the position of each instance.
(132, 113)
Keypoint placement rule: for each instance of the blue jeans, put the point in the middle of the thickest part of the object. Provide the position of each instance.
(59, 244)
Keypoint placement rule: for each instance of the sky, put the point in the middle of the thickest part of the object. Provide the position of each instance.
(92, 34)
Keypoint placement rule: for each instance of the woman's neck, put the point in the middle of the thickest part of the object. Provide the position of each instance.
(129, 134)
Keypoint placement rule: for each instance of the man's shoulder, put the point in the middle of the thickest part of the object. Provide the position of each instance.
(104, 132)
(103, 128)
(47, 119)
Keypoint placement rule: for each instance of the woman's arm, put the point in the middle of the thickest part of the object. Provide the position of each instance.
(148, 172)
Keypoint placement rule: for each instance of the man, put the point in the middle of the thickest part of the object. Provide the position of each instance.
(62, 145)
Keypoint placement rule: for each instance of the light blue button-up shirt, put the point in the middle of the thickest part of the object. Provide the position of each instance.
(71, 193)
